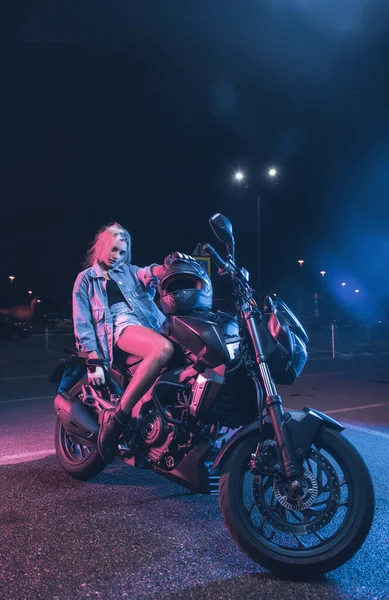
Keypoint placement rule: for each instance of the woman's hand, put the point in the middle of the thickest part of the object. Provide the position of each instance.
(96, 376)
(159, 270)
(175, 256)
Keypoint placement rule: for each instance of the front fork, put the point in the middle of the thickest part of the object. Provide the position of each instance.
(273, 403)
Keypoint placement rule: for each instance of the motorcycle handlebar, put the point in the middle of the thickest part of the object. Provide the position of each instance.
(215, 257)
(228, 267)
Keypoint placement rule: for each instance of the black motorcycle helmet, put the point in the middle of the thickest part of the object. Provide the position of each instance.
(185, 287)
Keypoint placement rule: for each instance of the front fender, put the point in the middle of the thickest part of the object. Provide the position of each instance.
(302, 425)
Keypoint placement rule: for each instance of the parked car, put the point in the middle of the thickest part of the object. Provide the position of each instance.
(13, 329)
(59, 322)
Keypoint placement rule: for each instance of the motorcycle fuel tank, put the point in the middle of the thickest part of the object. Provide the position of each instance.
(201, 338)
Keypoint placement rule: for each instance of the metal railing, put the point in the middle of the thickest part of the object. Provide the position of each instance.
(339, 340)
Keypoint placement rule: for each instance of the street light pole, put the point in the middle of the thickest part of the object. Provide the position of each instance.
(239, 176)
(300, 303)
(11, 291)
(258, 244)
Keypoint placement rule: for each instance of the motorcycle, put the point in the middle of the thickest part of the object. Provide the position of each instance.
(295, 494)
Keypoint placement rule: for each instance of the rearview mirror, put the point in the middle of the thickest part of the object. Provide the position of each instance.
(222, 228)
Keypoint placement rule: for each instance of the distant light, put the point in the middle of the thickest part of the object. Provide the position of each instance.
(239, 176)
(30, 291)
(38, 300)
(272, 172)
(322, 273)
(356, 291)
(300, 262)
(11, 277)
(343, 283)
(274, 294)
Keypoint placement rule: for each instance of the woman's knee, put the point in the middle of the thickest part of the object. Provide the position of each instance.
(145, 343)
(165, 350)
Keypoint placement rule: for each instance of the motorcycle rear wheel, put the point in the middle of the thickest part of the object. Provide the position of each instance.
(79, 461)
(319, 535)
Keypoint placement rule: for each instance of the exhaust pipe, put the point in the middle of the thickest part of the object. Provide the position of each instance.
(76, 419)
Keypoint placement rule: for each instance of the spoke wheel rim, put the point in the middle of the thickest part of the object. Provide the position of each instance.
(74, 452)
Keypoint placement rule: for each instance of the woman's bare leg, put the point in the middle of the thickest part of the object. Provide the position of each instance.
(154, 349)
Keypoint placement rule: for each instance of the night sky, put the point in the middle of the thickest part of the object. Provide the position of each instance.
(140, 112)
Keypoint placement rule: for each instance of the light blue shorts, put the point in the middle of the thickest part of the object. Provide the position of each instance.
(123, 317)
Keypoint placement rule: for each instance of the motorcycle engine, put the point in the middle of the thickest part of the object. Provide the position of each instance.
(157, 435)
(164, 443)
(154, 429)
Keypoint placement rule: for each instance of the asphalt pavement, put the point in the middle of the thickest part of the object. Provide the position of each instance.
(132, 534)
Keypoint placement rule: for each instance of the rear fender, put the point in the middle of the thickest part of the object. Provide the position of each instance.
(303, 426)
(68, 372)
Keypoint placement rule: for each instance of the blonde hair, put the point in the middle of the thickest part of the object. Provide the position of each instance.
(108, 235)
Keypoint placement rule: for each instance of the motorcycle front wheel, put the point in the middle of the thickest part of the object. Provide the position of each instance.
(77, 460)
(305, 536)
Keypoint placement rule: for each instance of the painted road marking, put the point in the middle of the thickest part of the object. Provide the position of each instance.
(368, 431)
(30, 456)
(27, 399)
(23, 377)
(302, 376)
(355, 372)
(351, 408)
(333, 411)
(25, 456)
(345, 356)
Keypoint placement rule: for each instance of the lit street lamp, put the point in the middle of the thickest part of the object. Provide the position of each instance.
(357, 291)
(30, 291)
(322, 273)
(241, 178)
(11, 278)
(300, 299)
(343, 283)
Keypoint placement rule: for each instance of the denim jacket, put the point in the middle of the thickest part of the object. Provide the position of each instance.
(93, 327)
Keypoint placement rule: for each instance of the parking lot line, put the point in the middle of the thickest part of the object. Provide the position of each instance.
(23, 377)
(366, 430)
(30, 456)
(352, 408)
(26, 399)
(302, 376)
(25, 456)
(355, 372)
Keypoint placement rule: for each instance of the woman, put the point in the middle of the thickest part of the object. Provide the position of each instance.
(113, 305)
